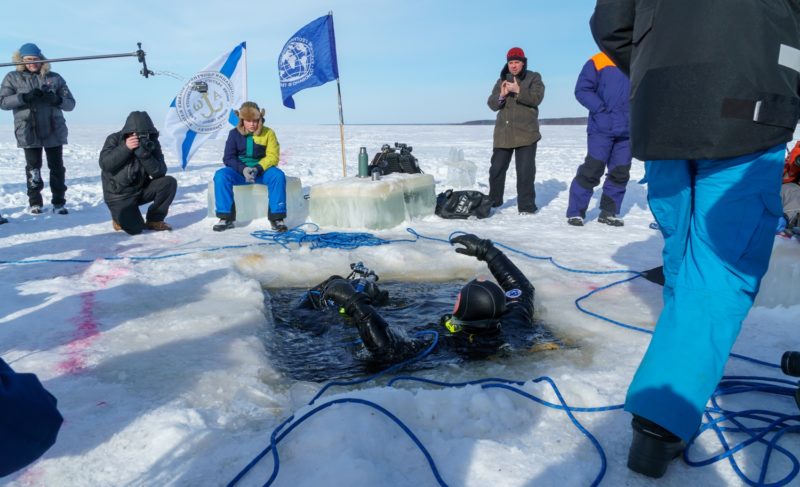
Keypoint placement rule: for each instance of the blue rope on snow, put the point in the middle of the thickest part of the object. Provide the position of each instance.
(334, 240)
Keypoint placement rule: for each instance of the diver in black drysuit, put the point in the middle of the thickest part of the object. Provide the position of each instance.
(481, 311)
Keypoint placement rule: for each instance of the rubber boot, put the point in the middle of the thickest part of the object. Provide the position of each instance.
(652, 448)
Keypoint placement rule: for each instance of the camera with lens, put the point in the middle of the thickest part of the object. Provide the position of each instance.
(147, 143)
(200, 86)
(395, 159)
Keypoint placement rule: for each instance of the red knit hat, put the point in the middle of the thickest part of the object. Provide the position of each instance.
(516, 54)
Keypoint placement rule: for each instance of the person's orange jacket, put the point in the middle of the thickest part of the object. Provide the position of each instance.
(791, 169)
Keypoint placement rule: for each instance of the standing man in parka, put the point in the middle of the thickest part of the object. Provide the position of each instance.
(38, 97)
(715, 98)
(604, 90)
(516, 97)
(134, 173)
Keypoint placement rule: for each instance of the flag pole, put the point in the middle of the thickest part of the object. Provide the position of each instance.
(341, 113)
(341, 126)
(245, 72)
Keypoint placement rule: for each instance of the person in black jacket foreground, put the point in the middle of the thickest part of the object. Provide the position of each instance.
(715, 91)
(481, 312)
(29, 420)
(134, 173)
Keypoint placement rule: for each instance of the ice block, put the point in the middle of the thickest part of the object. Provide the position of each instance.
(251, 200)
(364, 203)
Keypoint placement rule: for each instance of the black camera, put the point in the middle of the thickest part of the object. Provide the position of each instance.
(147, 143)
(200, 86)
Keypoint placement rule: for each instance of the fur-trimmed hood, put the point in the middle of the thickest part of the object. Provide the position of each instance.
(16, 58)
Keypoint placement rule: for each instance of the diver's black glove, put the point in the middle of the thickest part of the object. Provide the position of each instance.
(481, 248)
(32, 95)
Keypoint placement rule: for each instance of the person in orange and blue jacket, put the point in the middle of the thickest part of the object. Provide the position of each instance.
(604, 90)
(251, 156)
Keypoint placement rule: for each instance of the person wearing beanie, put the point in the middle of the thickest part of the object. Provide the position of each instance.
(134, 173)
(516, 97)
(38, 97)
(251, 157)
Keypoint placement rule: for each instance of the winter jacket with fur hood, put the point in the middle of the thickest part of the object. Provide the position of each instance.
(262, 152)
(39, 124)
(517, 123)
(125, 172)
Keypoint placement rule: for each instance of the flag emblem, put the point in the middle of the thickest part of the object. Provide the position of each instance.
(205, 101)
(296, 61)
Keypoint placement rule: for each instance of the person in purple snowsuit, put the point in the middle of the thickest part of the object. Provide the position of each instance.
(604, 90)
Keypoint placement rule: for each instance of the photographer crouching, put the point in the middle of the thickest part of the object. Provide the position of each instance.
(134, 173)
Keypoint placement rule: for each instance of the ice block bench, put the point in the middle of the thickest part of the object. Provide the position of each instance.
(251, 199)
(363, 203)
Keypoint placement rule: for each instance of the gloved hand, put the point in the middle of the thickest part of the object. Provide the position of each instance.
(339, 291)
(250, 174)
(52, 98)
(32, 95)
(474, 246)
(142, 153)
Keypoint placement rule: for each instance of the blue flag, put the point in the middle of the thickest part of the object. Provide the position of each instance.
(308, 59)
(204, 106)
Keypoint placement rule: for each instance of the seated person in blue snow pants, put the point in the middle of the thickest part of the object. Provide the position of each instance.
(481, 312)
(251, 156)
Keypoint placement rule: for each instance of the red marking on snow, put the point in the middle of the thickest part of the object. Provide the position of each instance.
(87, 329)
(592, 288)
(102, 280)
(31, 476)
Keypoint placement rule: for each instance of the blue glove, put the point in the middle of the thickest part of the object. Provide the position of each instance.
(250, 174)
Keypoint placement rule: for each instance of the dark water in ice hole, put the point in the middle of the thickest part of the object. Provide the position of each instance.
(318, 346)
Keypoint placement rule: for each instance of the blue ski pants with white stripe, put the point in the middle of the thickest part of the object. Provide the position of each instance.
(718, 219)
(226, 178)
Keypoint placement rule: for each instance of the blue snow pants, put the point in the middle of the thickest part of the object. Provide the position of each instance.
(226, 178)
(718, 219)
(604, 152)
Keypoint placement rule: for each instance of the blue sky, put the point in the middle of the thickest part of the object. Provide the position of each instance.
(399, 62)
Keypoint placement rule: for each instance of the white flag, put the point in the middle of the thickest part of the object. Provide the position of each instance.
(205, 104)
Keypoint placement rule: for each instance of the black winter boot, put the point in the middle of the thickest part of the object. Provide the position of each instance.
(223, 225)
(278, 225)
(652, 448)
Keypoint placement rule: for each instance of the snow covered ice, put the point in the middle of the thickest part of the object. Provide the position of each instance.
(163, 379)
